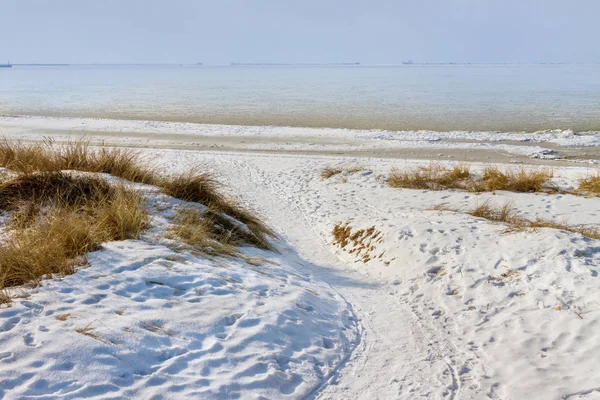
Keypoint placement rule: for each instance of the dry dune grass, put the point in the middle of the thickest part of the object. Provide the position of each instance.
(507, 213)
(590, 184)
(78, 155)
(516, 180)
(58, 218)
(328, 172)
(127, 164)
(213, 233)
(438, 177)
(51, 187)
(360, 243)
(434, 177)
(203, 189)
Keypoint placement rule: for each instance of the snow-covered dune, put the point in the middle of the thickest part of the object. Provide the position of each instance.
(146, 319)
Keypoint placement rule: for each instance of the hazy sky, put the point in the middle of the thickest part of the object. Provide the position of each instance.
(369, 31)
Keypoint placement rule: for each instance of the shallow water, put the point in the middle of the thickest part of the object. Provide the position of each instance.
(441, 98)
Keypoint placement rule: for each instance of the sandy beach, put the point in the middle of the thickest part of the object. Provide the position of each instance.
(299, 200)
(446, 305)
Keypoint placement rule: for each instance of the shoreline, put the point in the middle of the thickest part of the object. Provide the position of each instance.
(164, 120)
(548, 147)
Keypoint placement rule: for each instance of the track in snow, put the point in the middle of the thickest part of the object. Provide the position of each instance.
(400, 355)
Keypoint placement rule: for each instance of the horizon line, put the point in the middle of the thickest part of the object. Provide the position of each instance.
(299, 64)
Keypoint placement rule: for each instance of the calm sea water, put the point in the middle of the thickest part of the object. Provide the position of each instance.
(442, 98)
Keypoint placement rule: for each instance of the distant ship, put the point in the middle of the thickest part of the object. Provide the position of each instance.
(7, 65)
(409, 62)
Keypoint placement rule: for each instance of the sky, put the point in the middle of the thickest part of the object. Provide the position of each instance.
(218, 32)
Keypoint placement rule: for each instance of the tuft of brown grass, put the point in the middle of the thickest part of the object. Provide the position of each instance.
(328, 172)
(197, 230)
(454, 177)
(212, 232)
(516, 180)
(63, 317)
(39, 189)
(78, 155)
(88, 330)
(508, 214)
(361, 243)
(590, 184)
(434, 177)
(341, 234)
(408, 179)
(584, 230)
(120, 162)
(437, 177)
(192, 186)
(202, 188)
(65, 217)
(21, 157)
(505, 213)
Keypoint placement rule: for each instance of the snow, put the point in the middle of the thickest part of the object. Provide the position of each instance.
(454, 308)
(447, 317)
(146, 321)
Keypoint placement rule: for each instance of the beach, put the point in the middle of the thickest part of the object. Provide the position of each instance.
(442, 304)
(310, 200)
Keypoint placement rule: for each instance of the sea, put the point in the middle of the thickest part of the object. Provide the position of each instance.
(503, 98)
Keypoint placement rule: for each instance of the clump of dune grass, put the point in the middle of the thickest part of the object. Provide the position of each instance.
(58, 218)
(590, 184)
(515, 180)
(50, 187)
(328, 172)
(22, 157)
(341, 234)
(453, 177)
(408, 179)
(508, 214)
(360, 242)
(191, 224)
(79, 155)
(438, 177)
(50, 157)
(208, 233)
(505, 213)
(433, 177)
(584, 230)
(202, 188)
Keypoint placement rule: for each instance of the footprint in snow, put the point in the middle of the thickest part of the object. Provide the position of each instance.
(29, 340)
(9, 324)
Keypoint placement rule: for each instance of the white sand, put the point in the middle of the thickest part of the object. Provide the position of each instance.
(454, 308)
